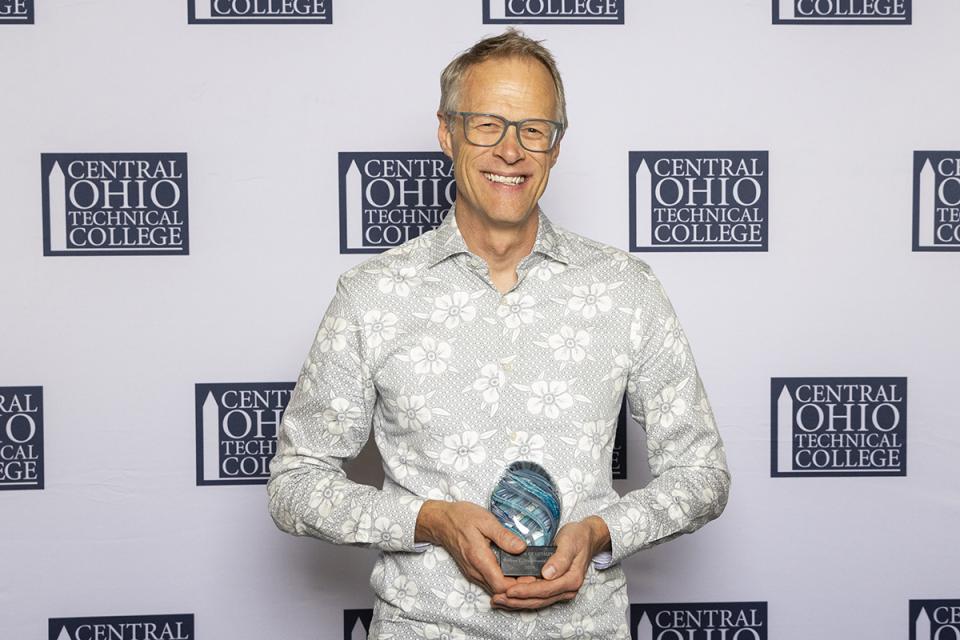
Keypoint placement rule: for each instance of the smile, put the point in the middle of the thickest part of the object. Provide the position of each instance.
(493, 177)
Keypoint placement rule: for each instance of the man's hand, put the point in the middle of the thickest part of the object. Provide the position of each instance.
(577, 543)
(466, 530)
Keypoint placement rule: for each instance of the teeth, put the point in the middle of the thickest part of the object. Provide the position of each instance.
(504, 179)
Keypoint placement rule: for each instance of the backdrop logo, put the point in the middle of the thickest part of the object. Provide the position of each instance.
(698, 201)
(842, 11)
(553, 11)
(114, 203)
(260, 11)
(237, 430)
(934, 619)
(167, 627)
(699, 621)
(838, 426)
(356, 623)
(389, 198)
(21, 438)
(936, 200)
(620, 443)
(16, 12)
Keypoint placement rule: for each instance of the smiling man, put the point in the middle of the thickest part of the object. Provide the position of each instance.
(497, 337)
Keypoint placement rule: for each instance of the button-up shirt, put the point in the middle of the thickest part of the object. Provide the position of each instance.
(458, 380)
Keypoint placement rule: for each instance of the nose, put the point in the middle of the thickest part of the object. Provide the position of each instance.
(509, 149)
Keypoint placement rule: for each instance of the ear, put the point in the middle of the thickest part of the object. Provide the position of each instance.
(445, 135)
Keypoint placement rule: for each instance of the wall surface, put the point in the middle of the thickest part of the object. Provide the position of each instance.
(792, 179)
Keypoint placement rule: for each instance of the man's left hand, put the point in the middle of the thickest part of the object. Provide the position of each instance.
(564, 572)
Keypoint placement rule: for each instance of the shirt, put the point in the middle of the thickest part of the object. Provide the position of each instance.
(457, 381)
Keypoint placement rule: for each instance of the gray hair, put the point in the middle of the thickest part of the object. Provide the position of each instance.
(511, 43)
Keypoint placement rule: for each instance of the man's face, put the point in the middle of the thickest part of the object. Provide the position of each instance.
(515, 88)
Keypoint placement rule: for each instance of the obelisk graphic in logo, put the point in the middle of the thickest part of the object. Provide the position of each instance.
(63, 634)
(787, 10)
(643, 183)
(927, 204)
(211, 438)
(921, 626)
(785, 430)
(644, 628)
(354, 196)
(358, 633)
(202, 9)
(497, 10)
(57, 203)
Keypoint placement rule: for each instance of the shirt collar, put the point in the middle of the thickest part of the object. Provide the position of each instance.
(448, 240)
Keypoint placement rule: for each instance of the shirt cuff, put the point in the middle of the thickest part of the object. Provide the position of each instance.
(603, 560)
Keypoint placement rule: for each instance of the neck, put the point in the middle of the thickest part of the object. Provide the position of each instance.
(502, 246)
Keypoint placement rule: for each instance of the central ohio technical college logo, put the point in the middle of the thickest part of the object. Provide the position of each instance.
(389, 198)
(842, 11)
(260, 11)
(935, 620)
(16, 11)
(838, 426)
(114, 203)
(936, 200)
(21, 438)
(237, 430)
(698, 201)
(699, 621)
(553, 11)
(165, 627)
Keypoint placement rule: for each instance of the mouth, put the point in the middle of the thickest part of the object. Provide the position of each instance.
(502, 179)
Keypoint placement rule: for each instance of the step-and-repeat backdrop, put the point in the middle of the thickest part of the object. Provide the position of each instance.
(183, 181)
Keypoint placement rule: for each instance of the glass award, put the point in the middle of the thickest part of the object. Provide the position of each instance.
(526, 501)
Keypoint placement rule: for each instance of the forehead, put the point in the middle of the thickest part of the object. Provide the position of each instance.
(516, 87)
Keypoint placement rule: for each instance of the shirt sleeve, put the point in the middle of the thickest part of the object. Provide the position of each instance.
(326, 423)
(691, 482)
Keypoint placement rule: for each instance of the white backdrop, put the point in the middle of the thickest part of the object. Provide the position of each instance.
(118, 342)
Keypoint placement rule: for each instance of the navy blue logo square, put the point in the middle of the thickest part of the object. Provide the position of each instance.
(934, 619)
(851, 12)
(838, 427)
(699, 200)
(16, 12)
(237, 427)
(166, 627)
(260, 11)
(683, 621)
(21, 438)
(109, 204)
(553, 11)
(936, 200)
(390, 197)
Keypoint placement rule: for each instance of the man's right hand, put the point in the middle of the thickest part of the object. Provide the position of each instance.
(466, 530)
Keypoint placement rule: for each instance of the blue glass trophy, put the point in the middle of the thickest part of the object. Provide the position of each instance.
(526, 501)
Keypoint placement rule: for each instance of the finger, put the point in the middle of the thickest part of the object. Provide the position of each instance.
(559, 563)
(520, 604)
(484, 562)
(570, 581)
(501, 536)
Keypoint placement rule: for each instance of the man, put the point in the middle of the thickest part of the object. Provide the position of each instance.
(493, 338)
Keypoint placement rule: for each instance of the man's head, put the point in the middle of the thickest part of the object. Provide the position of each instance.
(516, 78)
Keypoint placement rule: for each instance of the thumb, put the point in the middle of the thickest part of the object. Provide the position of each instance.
(504, 538)
(510, 541)
(558, 564)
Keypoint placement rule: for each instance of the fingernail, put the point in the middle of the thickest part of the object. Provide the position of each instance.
(548, 572)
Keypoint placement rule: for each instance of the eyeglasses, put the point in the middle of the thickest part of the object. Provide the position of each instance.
(488, 129)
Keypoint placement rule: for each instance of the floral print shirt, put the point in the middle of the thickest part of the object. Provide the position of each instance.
(458, 380)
